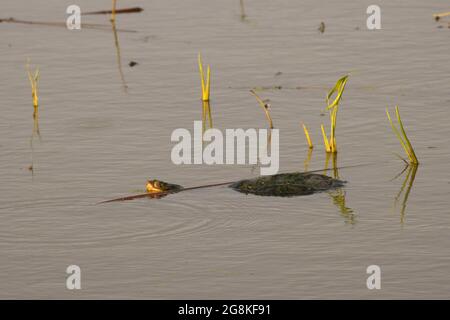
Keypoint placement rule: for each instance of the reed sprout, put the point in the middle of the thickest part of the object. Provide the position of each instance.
(333, 107)
(308, 137)
(206, 81)
(402, 137)
(206, 89)
(34, 78)
(265, 106)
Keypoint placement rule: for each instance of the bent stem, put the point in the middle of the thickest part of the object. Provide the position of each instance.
(438, 16)
(265, 107)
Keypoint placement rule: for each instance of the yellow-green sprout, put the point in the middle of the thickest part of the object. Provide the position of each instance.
(333, 107)
(402, 137)
(206, 83)
(34, 77)
(308, 137)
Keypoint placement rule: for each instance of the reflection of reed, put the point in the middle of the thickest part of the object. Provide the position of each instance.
(406, 189)
(338, 195)
(308, 159)
(119, 59)
(206, 115)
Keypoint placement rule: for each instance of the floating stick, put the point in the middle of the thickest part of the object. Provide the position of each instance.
(118, 11)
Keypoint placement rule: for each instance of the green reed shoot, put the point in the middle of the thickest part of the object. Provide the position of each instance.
(333, 107)
(205, 81)
(308, 137)
(402, 137)
(206, 90)
(34, 78)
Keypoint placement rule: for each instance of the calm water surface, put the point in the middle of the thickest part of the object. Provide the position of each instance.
(99, 141)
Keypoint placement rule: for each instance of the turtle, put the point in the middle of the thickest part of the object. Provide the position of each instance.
(278, 185)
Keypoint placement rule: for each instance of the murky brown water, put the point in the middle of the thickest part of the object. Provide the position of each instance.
(100, 142)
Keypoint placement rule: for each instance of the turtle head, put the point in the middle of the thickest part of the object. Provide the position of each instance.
(155, 186)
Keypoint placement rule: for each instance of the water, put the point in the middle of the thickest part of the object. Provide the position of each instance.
(100, 142)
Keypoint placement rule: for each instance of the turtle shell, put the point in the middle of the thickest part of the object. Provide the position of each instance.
(287, 184)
